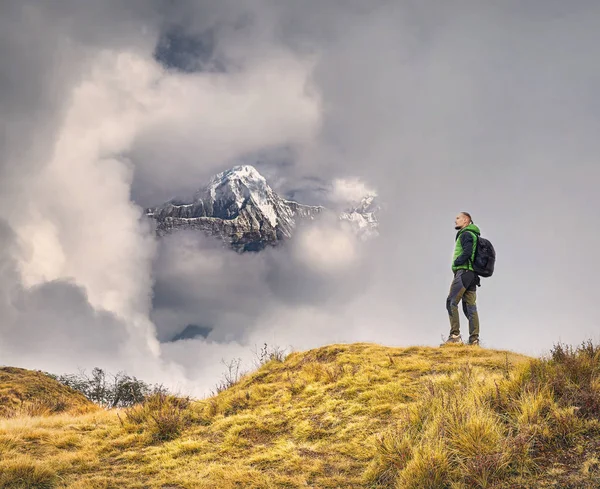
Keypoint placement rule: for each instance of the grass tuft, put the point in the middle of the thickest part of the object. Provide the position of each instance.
(24, 473)
(482, 432)
(164, 416)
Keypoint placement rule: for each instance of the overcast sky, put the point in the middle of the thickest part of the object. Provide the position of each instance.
(109, 107)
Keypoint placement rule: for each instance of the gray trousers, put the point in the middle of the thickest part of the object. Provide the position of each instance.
(463, 287)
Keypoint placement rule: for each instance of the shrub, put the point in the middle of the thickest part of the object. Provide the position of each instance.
(108, 390)
(232, 375)
(269, 353)
(164, 416)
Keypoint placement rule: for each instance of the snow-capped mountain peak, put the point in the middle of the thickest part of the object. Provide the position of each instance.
(233, 188)
(242, 181)
(239, 206)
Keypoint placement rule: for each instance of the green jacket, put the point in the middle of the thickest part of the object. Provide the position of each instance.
(464, 250)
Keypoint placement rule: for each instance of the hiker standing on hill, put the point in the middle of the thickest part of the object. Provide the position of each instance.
(465, 283)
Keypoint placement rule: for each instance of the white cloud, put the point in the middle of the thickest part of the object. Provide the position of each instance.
(350, 190)
(326, 249)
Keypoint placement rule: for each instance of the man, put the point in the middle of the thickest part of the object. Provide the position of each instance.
(464, 285)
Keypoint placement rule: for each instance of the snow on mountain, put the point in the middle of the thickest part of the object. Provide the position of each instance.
(240, 185)
(239, 206)
(363, 217)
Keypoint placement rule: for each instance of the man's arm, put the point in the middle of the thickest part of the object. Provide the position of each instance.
(467, 242)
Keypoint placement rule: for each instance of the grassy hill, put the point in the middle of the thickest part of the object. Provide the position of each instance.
(25, 392)
(343, 416)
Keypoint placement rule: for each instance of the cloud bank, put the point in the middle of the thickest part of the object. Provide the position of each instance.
(437, 108)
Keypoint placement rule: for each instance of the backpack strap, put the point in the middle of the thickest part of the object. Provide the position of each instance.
(475, 243)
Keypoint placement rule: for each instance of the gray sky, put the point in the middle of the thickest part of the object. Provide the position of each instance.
(439, 107)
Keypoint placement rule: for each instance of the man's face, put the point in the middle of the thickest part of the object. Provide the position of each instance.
(461, 221)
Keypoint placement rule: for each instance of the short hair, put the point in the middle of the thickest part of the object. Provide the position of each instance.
(468, 215)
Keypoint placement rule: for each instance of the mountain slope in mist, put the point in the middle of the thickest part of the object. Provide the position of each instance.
(240, 207)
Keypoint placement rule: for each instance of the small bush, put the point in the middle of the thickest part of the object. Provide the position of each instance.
(232, 375)
(164, 416)
(268, 354)
(108, 390)
(575, 377)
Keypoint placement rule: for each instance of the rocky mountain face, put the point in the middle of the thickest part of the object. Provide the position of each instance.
(363, 217)
(240, 207)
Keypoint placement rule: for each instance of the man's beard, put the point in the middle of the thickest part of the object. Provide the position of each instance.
(458, 228)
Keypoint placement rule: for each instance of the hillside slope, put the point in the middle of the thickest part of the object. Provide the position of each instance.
(35, 393)
(343, 416)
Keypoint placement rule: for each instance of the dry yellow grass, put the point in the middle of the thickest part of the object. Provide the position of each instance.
(25, 392)
(343, 416)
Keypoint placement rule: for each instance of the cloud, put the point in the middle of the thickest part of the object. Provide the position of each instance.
(86, 253)
(325, 249)
(53, 322)
(200, 282)
(350, 190)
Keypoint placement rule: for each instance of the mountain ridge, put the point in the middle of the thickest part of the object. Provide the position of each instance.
(239, 207)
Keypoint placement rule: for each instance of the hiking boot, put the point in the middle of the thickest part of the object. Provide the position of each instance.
(454, 338)
(473, 342)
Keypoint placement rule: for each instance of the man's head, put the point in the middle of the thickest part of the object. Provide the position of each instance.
(462, 220)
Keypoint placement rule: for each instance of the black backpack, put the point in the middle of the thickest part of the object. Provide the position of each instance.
(485, 258)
